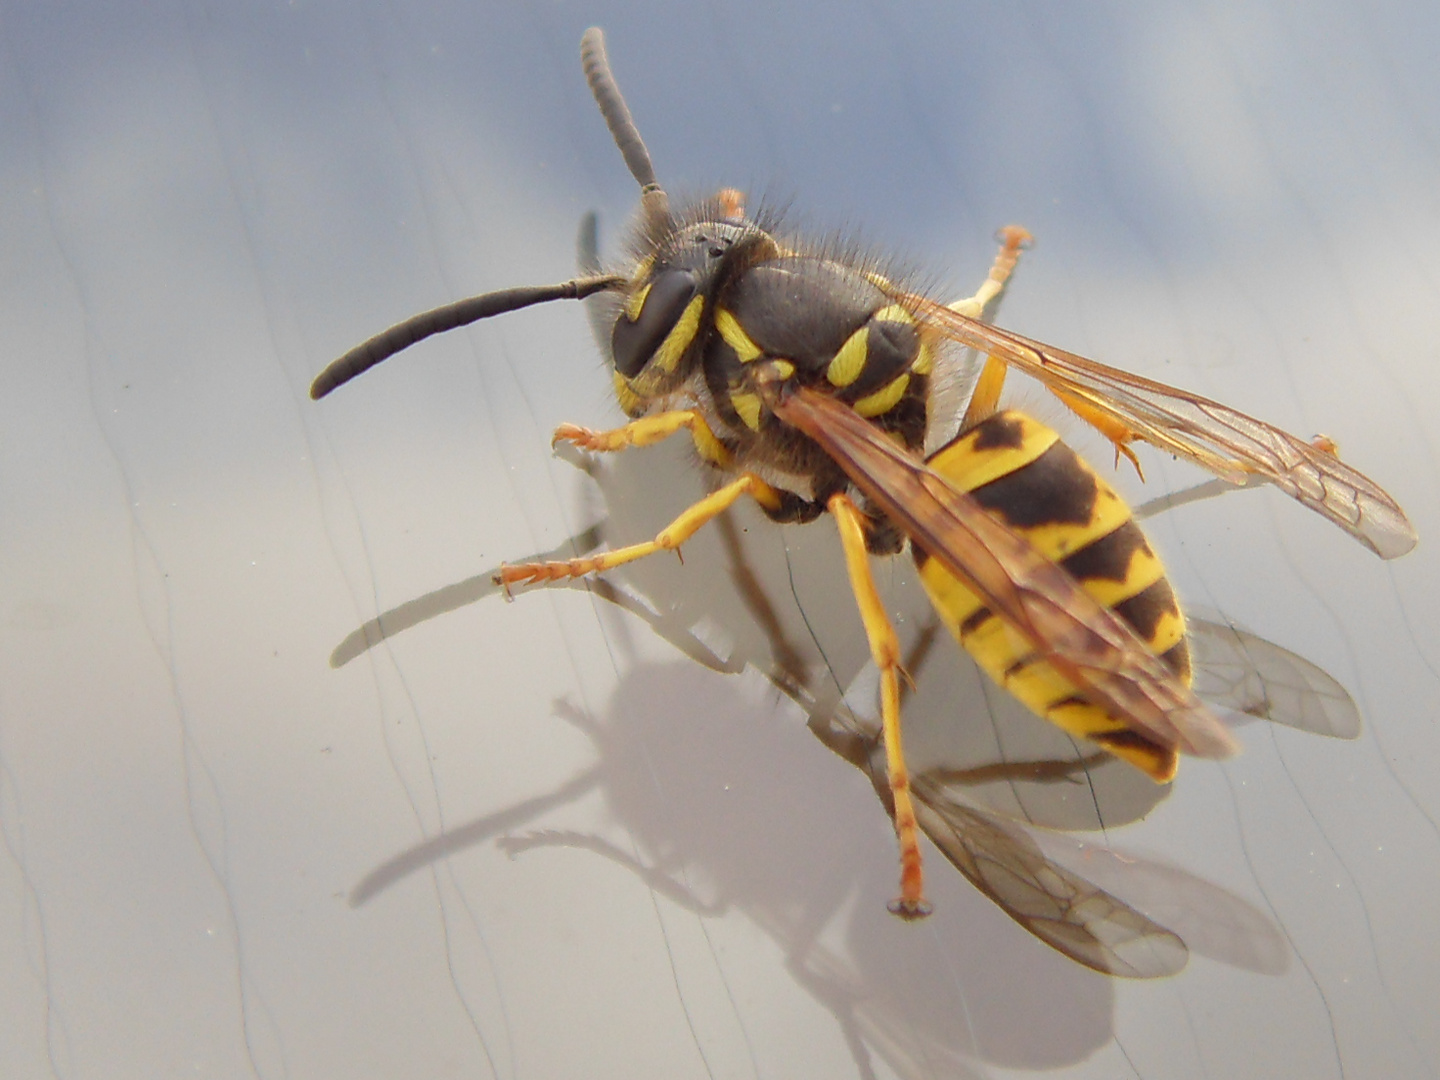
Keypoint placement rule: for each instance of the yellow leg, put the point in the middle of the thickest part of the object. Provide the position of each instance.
(668, 539)
(1118, 434)
(986, 397)
(885, 650)
(646, 431)
(1012, 241)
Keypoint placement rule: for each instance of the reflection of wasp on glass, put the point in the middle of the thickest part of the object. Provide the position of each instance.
(811, 379)
(755, 596)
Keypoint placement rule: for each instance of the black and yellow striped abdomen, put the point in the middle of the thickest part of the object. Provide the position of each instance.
(1022, 473)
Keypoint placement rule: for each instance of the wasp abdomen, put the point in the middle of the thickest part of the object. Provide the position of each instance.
(1020, 471)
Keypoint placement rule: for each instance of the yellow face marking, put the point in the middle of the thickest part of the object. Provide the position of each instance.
(735, 336)
(748, 406)
(849, 361)
(884, 399)
(630, 402)
(636, 301)
(667, 356)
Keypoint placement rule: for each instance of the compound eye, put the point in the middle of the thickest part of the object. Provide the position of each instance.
(634, 340)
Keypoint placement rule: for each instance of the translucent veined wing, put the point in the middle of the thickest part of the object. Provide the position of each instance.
(1237, 670)
(1223, 440)
(1062, 909)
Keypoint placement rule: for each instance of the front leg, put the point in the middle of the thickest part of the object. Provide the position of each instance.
(645, 432)
(885, 651)
(668, 539)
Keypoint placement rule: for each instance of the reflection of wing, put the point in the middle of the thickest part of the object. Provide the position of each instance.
(1086, 642)
(1067, 912)
(1226, 442)
(1237, 670)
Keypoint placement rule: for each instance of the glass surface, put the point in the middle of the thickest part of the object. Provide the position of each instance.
(239, 842)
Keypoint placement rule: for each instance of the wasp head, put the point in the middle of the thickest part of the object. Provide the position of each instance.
(684, 266)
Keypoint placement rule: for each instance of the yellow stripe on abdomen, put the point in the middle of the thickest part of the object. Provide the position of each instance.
(1022, 474)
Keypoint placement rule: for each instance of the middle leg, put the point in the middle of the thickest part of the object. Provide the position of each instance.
(885, 650)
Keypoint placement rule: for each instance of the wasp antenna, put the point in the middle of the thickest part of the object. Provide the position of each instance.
(621, 124)
(461, 313)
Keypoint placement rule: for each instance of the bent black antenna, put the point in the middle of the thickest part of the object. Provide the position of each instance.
(654, 205)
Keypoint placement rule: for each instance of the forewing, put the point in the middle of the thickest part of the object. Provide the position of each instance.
(1227, 442)
(1084, 641)
(1067, 912)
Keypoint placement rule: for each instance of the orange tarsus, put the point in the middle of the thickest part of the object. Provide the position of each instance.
(1015, 237)
(1119, 435)
(1013, 240)
(1122, 447)
(572, 433)
(732, 204)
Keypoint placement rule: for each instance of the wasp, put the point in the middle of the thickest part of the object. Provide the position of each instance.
(807, 377)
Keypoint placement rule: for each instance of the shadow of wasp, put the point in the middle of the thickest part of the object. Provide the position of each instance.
(810, 378)
(751, 595)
